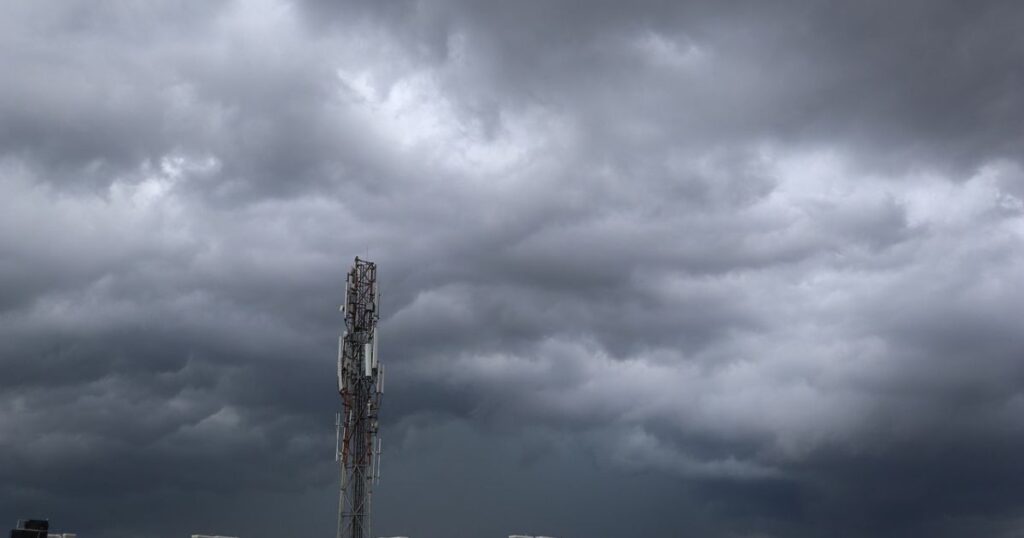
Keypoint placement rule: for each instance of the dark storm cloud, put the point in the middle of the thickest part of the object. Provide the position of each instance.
(739, 270)
(914, 84)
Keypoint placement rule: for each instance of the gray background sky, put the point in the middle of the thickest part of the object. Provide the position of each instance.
(718, 269)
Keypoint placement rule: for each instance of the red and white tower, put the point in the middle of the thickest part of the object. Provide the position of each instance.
(360, 384)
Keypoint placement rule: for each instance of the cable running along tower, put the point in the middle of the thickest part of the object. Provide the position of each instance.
(360, 384)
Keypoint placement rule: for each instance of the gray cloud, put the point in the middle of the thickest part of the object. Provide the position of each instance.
(738, 270)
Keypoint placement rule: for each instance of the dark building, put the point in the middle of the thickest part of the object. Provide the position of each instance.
(31, 528)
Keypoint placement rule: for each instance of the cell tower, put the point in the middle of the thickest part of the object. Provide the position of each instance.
(360, 384)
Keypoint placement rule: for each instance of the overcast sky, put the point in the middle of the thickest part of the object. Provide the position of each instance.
(650, 268)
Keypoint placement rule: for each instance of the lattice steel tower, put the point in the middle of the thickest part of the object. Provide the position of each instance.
(360, 384)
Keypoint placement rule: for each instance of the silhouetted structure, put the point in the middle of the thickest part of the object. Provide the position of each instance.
(31, 528)
(360, 384)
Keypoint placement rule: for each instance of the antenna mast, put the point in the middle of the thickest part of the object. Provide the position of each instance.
(360, 384)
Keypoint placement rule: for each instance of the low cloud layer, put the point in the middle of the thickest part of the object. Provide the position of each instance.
(735, 270)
